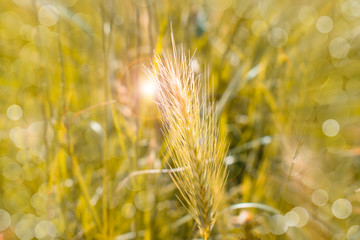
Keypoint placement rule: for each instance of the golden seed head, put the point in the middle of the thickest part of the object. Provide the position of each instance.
(192, 135)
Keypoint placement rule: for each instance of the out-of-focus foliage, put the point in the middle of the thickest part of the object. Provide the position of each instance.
(78, 120)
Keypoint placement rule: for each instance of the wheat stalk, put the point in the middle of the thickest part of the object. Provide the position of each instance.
(192, 136)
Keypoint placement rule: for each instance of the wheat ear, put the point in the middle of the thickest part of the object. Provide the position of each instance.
(192, 136)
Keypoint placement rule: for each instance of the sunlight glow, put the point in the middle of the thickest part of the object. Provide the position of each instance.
(147, 89)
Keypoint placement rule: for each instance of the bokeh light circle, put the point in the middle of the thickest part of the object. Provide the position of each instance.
(339, 48)
(292, 218)
(24, 229)
(278, 37)
(324, 24)
(330, 127)
(278, 224)
(14, 112)
(303, 216)
(128, 210)
(342, 208)
(319, 197)
(10, 25)
(145, 201)
(12, 171)
(353, 232)
(5, 219)
(45, 229)
(47, 16)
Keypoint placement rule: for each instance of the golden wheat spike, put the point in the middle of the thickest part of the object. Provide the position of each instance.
(192, 136)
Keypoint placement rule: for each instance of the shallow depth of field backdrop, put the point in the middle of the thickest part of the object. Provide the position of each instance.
(78, 123)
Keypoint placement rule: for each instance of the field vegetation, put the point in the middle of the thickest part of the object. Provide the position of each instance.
(250, 116)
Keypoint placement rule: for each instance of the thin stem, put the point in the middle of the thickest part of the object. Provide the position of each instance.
(145, 172)
(253, 205)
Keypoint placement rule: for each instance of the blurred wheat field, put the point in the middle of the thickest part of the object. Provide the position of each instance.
(82, 147)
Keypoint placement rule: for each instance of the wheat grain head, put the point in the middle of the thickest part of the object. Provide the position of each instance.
(191, 134)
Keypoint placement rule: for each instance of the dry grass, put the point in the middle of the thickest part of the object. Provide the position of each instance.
(192, 136)
(80, 142)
